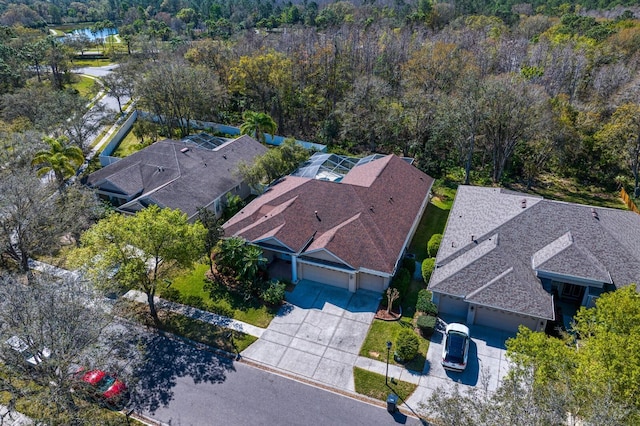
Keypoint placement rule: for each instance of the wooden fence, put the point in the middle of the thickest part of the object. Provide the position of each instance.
(628, 201)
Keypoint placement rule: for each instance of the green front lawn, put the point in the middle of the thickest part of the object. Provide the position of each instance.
(381, 332)
(203, 332)
(373, 385)
(188, 288)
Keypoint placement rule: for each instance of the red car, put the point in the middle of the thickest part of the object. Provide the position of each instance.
(106, 387)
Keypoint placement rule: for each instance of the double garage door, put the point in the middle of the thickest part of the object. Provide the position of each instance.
(324, 275)
(484, 316)
(503, 320)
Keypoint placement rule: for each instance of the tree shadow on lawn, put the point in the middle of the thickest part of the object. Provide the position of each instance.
(167, 360)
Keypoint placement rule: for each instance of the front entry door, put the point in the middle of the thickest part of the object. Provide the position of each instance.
(572, 292)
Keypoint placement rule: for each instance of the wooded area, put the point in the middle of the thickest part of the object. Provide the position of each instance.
(499, 98)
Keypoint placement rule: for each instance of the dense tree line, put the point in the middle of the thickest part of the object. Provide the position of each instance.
(495, 99)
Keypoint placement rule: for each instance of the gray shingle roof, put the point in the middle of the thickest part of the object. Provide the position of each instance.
(512, 238)
(168, 175)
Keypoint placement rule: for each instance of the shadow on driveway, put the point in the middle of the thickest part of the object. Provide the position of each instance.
(168, 359)
(471, 374)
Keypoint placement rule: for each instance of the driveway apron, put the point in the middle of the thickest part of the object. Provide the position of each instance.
(318, 333)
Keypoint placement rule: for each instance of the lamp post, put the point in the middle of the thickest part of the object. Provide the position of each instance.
(386, 375)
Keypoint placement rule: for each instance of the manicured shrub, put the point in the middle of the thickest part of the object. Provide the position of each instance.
(410, 265)
(424, 303)
(407, 345)
(427, 268)
(401, 281)
(426, 324)
(274, 293)
(434, 244)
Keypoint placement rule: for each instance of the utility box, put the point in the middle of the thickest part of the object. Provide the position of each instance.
(392, 403)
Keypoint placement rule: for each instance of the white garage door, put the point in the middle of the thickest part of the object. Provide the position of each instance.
(370, 282)
(324, 275)
(452, 305)
(503, 320)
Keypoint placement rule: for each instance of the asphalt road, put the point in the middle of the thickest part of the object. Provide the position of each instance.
(182, 385)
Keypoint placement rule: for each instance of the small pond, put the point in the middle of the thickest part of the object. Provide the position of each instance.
(93, 36)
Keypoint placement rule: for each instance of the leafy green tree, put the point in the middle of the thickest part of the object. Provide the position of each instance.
(620, 139)
(213, 225)
(274, 164)
(140, 251)
(256, 124)
(62, 159)
(603, 359)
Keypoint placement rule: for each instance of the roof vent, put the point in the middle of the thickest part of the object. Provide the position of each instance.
(523, 203)
(371, 209)
(391, 199)
(473, 238)
(224, 156)
(317, 217)
(160, 169)
(184, 150)
(594, 213)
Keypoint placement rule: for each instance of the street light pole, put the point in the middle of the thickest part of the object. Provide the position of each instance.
(386, 375)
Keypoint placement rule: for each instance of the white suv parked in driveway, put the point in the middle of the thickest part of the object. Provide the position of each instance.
(20, 345)
(455, 348)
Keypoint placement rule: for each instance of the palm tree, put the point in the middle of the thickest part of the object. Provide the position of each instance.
(256, 124)
(61, 159)
(252, 260)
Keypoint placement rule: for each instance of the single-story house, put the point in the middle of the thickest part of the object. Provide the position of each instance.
(350, 232)
(509, 258)
(198, 171)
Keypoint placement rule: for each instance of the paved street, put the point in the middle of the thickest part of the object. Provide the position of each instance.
(182, 385)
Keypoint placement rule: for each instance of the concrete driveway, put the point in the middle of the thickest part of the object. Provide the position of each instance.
(486, 365)
(317, 334)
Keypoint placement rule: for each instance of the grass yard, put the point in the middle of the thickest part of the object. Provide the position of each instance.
(128, 146)
(373, 385)
(434, 219)
(210, 335)
(562, 189)
(380, 332)
(80, 62)
(84, 86)
(188, 288)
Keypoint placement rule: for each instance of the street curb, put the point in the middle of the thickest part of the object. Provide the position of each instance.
(324, 386)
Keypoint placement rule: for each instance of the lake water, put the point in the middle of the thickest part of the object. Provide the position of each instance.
(94, 36)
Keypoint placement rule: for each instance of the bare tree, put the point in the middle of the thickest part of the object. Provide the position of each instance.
(62, 326)
(33, 220)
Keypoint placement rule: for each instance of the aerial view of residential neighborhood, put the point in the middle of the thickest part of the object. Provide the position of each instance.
(320, 212)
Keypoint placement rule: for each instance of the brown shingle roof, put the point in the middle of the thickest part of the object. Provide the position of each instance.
(364, 220)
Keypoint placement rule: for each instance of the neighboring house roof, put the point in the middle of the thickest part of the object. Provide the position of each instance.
(177, 174)
(363, 222)
(496, 241)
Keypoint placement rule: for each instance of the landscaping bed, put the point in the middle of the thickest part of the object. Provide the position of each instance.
(188, 288)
